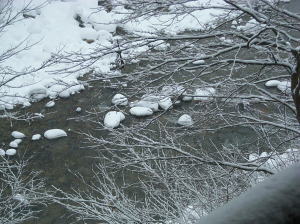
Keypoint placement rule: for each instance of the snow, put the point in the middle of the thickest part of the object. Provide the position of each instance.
(113, 119)
(185, 120)
(54, 133)
(119, 99)
(204, 93)
(17, 134)
(172, 90)
(54, 29)
(50, 104)
(36, 137)
(140, 111)
(2, 152)
(165, 103)
(11, 152)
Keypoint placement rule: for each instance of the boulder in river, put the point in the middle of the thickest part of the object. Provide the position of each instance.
(54, 133)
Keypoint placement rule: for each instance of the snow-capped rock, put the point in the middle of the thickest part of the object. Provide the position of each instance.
(78, 109)
(54, 133)
(152, 105)
(36, 137)
(119, 99)
(204, 93)
(264, 154)
(113, 119)
(165, 103)
(2, 152)
(185, 120)
(17, 134)
(13, 144)
(50, 104)
(198, 62)
(187, 98)
(11, 152)
(272, 83)
(140, 111)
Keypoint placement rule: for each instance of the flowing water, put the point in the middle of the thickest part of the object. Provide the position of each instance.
(59, 159)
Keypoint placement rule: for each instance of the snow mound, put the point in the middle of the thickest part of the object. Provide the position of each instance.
(185, 120)
(119, 99)
(113, 119)
(36, 137)
(78, 109)
(17, 134)
(140, 111)
(37, 93)
(165, 103)
(54, 133)
(204, 93)
(11, 152)
(198, 62)
(172, 90)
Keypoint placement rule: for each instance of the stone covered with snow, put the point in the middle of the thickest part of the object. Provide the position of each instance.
(272, 83)
(50, 104)
(165, 103)
(185, 120)
(113, 119)
(54, 133)
(140, 111)
(2, 152)
(17, 134)
(11, 152)
(36, 137)
(119, 99)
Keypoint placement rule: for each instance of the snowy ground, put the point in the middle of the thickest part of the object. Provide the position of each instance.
(52, 28)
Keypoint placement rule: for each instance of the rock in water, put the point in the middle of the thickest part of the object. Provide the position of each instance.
(165, 103)
(185, 120)
(140, 111)
(11, 152)
(36, 137)
(2, 152)
(113, 119)
(54, 133)
(17, 134)
(119, 99)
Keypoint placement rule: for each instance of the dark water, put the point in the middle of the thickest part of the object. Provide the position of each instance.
(59, 159)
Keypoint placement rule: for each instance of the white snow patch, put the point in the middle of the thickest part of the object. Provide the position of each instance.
(17, 134)
(78, 109)
(20, 198)
(185, 120)
(141, 111)
(144, 103)
(113, 119)
(13, 144)
(198, 62)
(54, 133)
(119, 99)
